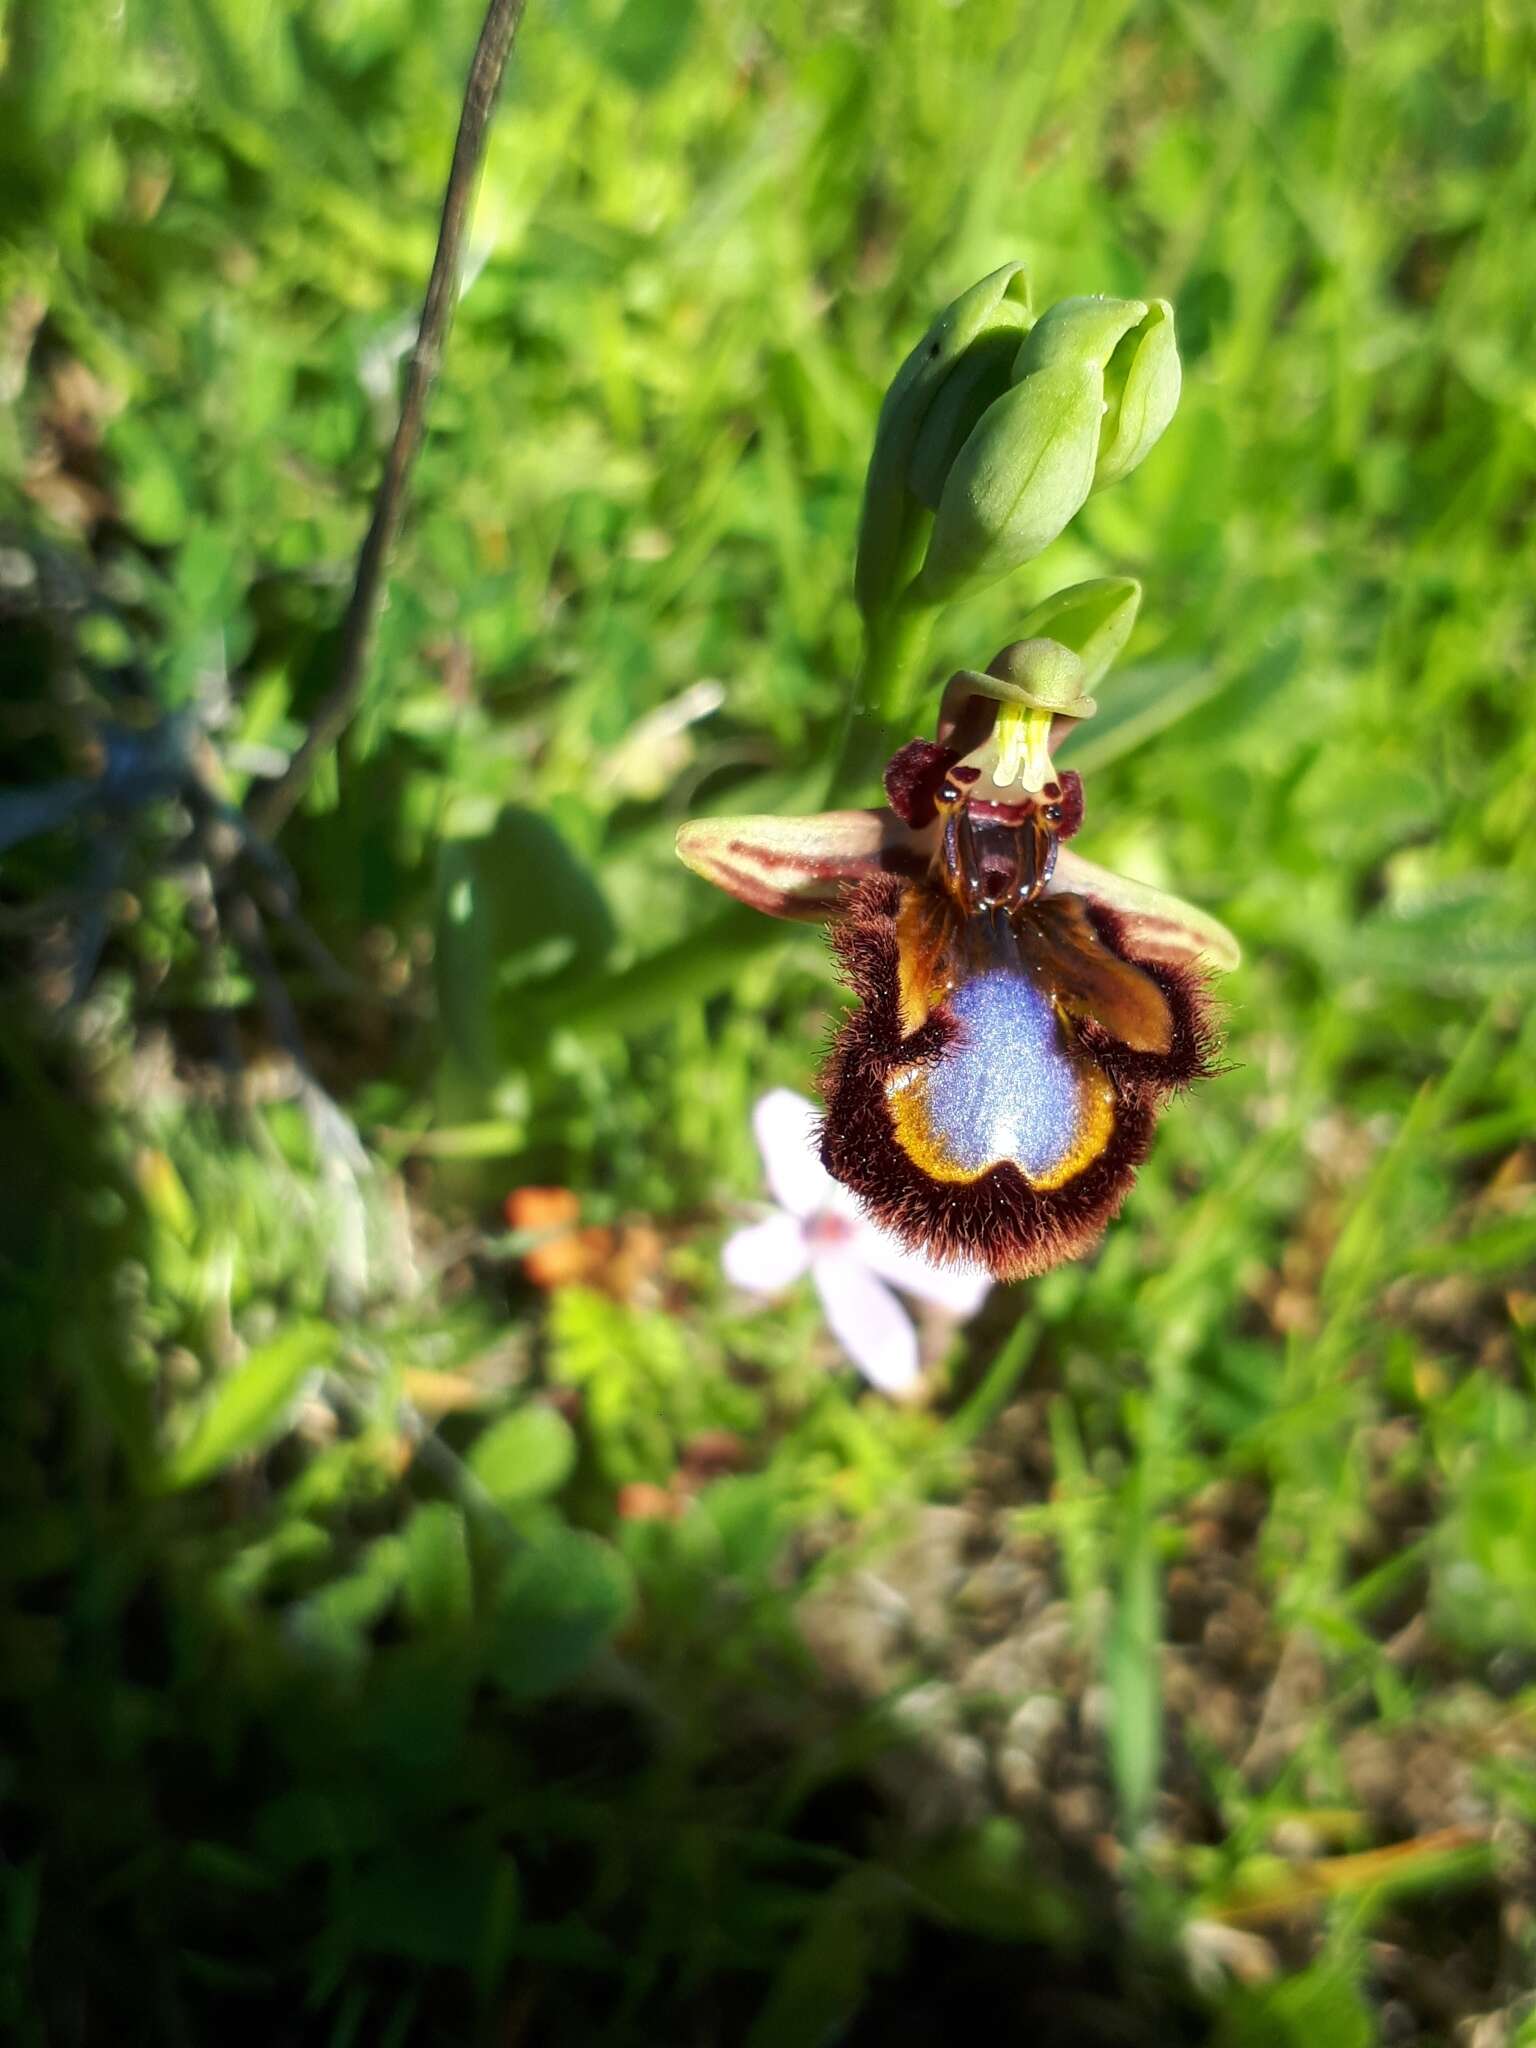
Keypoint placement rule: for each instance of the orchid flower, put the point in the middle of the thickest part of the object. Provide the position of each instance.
(1024, 1013)
(820, 1228)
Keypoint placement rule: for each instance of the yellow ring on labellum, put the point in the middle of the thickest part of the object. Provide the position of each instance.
(1009, 1088)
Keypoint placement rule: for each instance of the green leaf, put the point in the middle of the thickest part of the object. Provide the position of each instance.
(153, 490)
(438, 1591)
(449, 1902)
(647, 40)
(333, 1622)
(660, 983)
(825, 1976)
(1507, 1246)
(989, 1881)
(1131, 1668)
(249, 1406)
(558, 1602)
(645, 1388)
(524, 1456)
(1484, 1590)
(1475, 933)
(514, 907)
(1321, 2008)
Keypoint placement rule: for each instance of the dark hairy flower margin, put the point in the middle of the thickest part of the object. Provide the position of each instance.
(1024, 1015)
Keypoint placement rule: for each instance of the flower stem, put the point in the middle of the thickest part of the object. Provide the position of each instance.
(881, 703)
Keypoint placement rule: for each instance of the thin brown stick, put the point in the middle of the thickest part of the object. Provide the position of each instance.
(270, 807)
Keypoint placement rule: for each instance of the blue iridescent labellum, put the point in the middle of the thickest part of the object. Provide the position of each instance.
(1008, 1086)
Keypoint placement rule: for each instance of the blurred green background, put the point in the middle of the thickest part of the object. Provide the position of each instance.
(396, 1647)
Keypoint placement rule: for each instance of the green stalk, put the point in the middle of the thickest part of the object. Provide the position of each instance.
(883, 700)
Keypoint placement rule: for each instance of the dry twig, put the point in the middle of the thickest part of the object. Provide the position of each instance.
(271, 806)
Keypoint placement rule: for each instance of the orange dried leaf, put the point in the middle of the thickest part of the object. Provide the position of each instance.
(1302, 1885)
(542, 1209)
(640, 1501)
(441, 1393)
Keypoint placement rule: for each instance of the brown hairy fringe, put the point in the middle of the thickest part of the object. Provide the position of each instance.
(998, 1221)
(1195, 1053)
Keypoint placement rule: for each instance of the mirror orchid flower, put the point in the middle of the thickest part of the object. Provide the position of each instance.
(1023, 1014)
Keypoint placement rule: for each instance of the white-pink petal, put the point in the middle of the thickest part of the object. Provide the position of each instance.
(766, 1257)
(960, 1290)
(785, 1124)
(868, 1321)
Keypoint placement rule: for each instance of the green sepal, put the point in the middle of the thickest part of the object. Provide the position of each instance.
(1094, 619)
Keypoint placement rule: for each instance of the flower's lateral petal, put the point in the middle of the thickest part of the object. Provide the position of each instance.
(766, 1257)
(1157, 926)
(798, 867)
(788, 1134)
(868, 1321)
(959, 1290)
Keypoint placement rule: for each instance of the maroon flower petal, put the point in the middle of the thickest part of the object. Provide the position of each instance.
(798, 867)
(913, 777)
(1070, 804)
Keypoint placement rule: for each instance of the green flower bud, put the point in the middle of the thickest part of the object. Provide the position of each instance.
(1141, 393)
(1095, 381)
(983, 374)
(972, 343)
(1025, 470)
(1083, 331)
(1093, 619)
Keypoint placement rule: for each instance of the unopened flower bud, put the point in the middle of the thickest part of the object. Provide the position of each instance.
(945, 385)
(1082, 331)
(1141, 394)
(1025, 470)
(982, 376)
(1095, 382)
